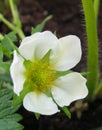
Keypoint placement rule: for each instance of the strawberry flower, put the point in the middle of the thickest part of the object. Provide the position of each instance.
(35, 68)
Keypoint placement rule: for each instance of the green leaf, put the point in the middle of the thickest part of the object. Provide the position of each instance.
(14, 117)
(5, 77)
(8, 118)
(4, 104)
(4, 72)
(40, 26)
(6, 124)
(66, 111)
(1, 37)
(1, 55)
(6, 52)
(4, 92)
(5, 95)
(8, 41)
(5, 66)
(7, 45)
(99, 128)
(8, 111)
(12, 36)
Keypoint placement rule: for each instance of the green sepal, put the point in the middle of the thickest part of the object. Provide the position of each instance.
(84, 73)
(27, 63)
(62, 73)
(66, 111)
(26, 89)
(40, 26)
(46, 57)
(37, 115)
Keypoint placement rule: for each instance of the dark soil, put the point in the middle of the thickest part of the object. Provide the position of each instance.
(67, 19)
(90, 119)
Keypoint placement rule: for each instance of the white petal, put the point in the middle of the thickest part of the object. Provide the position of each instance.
(17, 72)
(40, 103)
(69, 88)
(37, 45)
(67, 53)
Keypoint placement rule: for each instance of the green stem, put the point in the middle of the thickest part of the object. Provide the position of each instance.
(92, 57)
(12, 9)
(16, 19)
(99, 88)
(96, 7)
(12, 27)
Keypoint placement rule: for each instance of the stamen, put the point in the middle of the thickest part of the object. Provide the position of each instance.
(40, 76)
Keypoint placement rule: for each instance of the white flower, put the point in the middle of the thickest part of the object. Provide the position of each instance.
(46, 91)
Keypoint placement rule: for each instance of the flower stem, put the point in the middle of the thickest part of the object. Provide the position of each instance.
(16, 19)
(99, 88)
(12, 9)
(12, 27)
(96, 7)
(92, 39)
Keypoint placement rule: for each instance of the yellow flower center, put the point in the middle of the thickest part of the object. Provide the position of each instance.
(40, 76)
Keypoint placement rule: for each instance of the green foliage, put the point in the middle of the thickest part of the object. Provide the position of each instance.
(99, 128)
(5, 66)
(8, 40)
(4, 72)
(7, 46)
(40, 26)
(8, 118)
(1, 55)
(6, 49)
